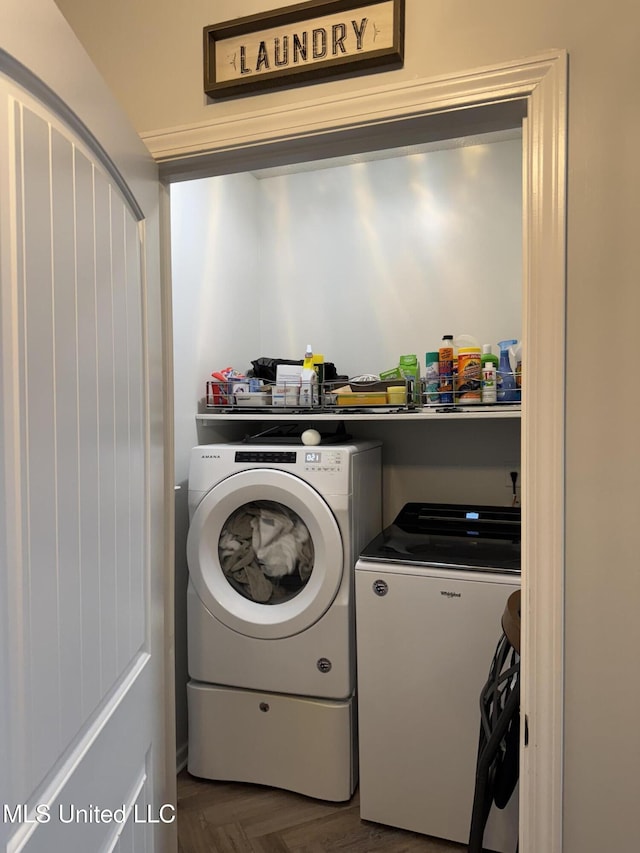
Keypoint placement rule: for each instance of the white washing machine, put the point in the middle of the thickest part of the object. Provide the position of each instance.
(275, 531)
(430, 593)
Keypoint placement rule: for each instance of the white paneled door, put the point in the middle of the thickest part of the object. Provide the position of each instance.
(83, 726)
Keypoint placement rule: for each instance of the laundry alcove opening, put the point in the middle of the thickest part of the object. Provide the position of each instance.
(366, 256)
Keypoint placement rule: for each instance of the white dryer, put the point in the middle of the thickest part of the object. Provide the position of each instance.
(275, 531)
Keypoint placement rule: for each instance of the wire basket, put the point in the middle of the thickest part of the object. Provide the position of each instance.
(237, 395)
(351, 396)
(451, 392)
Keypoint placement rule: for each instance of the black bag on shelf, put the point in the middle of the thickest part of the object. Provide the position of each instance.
(265, 369)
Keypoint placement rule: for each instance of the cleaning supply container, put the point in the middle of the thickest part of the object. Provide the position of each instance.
(445, 386)
(469, 387)
(507, 390)
(432, 377)
(410, 369)
(489, 375)
(308, 380)
(515, 354)
(318, 365)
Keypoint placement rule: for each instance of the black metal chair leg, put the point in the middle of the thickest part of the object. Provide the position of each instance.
(497, 766)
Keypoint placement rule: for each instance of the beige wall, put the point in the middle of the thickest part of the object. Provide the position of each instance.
(150, 54)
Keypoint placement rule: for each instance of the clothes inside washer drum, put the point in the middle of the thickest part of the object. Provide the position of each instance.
(266, 552)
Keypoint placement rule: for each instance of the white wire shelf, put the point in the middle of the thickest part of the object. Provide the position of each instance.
(479, 412)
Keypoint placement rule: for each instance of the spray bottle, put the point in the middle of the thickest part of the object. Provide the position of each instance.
(515, 354)
(308, 380)
(507, 391)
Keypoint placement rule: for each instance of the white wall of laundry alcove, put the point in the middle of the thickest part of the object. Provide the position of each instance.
(366, 261)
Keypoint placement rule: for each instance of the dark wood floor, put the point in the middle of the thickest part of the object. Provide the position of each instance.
(223, 817)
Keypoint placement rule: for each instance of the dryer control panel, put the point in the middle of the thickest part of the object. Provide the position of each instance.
(312, 460)
(330, 469)
(322, 460)
(271, 457)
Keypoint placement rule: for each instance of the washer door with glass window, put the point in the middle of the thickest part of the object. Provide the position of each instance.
(265, 553)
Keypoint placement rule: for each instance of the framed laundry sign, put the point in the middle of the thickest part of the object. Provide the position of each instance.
(305, 43)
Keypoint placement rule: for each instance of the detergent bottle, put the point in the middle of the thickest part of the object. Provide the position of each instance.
(507, 391)
(469, 374)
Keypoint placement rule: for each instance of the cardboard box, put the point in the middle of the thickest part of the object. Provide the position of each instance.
(287, 388)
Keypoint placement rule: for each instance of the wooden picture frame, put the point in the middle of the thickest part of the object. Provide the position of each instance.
(305, 43)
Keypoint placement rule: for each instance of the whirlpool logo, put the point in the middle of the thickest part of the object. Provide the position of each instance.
(448, 594)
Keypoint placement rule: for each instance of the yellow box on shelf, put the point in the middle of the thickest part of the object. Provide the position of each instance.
(368, 398)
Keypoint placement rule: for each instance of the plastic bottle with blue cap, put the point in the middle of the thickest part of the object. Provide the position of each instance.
(508, 391)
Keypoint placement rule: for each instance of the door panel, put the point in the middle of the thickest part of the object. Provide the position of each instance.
(65, 358)
(111, 742)
(38, 469)
(69, 558)
(86, 370)
(82, 721)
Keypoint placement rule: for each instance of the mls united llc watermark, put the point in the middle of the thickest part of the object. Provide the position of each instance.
(69, 813)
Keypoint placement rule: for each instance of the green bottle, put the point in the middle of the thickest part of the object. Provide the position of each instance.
(489, 377)
(410, 369)
(432, 364)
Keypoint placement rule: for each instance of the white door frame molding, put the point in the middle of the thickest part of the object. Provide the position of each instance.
(533, 90)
